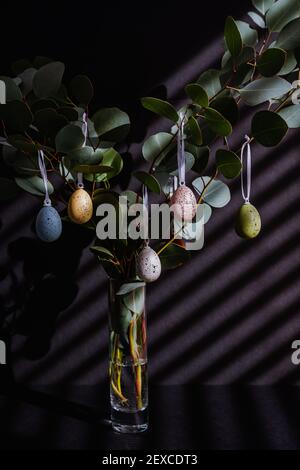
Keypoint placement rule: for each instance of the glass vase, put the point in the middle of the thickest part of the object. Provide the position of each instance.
(128, 358)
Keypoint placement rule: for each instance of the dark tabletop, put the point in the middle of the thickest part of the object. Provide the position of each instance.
(188, 417)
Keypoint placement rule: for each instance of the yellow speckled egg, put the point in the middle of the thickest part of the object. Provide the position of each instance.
(248, 223)
(184, 204)
(80, 207)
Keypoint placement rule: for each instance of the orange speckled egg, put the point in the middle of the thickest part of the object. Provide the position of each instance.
(80, 207)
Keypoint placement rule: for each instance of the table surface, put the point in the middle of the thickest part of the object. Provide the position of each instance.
(187, 417)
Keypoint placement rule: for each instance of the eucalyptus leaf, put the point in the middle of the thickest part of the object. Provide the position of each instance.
(49, 122)
(170, 165)
(289, 65)
(228, 163)
(227, 106)
(201, 156)
(69, 138)
(217, 123)
(135, 301)
(249, 35)
(158, 146)
(291, 115)
(264, 89)
(111, 124)
(86, 155)
(148, 180)
(233, 38)
(16, 116)
(216, 194)
(282, 13)
(130, 287)
(102, 252)
(207, 213)
(194, 131)
(210, 82)
(263, 5)
(268, 128)
(257, 19)
(160, 107)
(93, 169)
(47, 80)
(34, 185)
(82, 90)
(173, 257)
(271, 62)
(27, 80)
(289, 37)
(197, 94)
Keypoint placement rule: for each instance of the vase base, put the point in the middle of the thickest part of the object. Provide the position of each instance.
(125, 429)
(129, 422)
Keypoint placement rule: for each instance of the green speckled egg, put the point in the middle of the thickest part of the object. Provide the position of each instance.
(248, 222)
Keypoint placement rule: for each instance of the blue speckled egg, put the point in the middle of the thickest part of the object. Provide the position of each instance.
(48, 224)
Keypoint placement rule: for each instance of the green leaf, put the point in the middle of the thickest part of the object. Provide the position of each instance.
(197, 94)
(233, 38)
(268, 128)
(210, 82)
(201, 156)
(8, 189)
(82, 90)
(86, 155)
(263, 5)
(49, 122)
(194, 131)
(102, 252)
(93, 169)
(249, 35)
(257, 19)
(69, 138)
(289, 65)
(217, 123)
(217, 194)
(111, 124)
(170, 165)
(291, 115)
(289, 37)
(130, 287)
(160, 107)
(207, 212)
(27, 80)
(113, 159)
(135, 301)
(20, 162)
(228, 163)
(68, 112)
(43, 104)
(227, 106)
(148, 180)
(173, 257)
(158, 146)
(271, 62)
(264, 89)
(20, 142)
(281, 13)
(16, 116)
(34, 185)
(13, 92)
(47, 80)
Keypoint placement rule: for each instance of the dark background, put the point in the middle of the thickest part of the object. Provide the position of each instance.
(228, 316)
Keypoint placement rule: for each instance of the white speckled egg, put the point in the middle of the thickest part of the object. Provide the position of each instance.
(48, 224)
(80, 207)
(184, 204)
(148, 265)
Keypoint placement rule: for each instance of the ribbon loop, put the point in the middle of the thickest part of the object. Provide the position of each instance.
(80, 184)
(246, 194)
(43, 170)
(146, 211)
(180, 151)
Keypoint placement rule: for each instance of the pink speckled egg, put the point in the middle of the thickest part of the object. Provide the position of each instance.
(80, 207)
(184, 204)
(148, 265)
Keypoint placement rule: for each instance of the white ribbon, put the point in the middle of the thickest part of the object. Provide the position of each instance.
(43, 170)
(146, 209)
(180, 151)
(246, 195)
(80, 184)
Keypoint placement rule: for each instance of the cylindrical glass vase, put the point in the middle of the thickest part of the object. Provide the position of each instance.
(128, 357)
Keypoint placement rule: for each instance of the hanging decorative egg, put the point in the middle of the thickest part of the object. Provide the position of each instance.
(248, 223)
(48, 224)
(80, 207)
(148, 265)
(185, 204)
